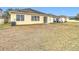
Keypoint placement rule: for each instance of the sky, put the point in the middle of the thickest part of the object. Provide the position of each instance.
(68, 11)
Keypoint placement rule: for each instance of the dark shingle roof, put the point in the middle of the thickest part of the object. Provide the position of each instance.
(51, 15)
(63, 16)
(34, 11)
(29, 9)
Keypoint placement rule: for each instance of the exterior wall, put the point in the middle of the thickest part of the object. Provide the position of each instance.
(12, 17)
(27, 20)
(1, 21)
(50, 19)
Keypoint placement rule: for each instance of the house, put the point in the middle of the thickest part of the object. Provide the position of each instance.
(30, 16)
(1, 20)
(1, 17)
(61, 19)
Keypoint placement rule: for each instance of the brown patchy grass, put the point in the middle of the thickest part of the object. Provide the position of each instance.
(51, 37)
(4, 26)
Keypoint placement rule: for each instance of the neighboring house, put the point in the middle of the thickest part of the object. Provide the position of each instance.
(30, 16)
(1, 17)
(61, 19)
(1, 20)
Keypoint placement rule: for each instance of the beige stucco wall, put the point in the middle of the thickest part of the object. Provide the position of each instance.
(12, 17)
(50, 20)
(27, 20)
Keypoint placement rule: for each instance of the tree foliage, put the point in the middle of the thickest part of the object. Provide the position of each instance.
(77, 17)
(6, 15)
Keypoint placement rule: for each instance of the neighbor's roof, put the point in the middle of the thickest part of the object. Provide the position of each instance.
(51, 15)
(63, 16)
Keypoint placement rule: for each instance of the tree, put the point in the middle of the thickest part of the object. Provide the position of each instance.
(6, 15)
(1, 13)
(77, 17)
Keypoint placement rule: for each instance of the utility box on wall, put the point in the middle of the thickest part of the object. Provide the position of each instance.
(13, 23)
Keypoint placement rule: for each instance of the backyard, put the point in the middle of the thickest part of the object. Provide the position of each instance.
(45, 37)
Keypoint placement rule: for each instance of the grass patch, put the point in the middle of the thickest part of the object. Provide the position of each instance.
(5, 26)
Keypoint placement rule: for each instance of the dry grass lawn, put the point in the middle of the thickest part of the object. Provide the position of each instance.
(49, 37)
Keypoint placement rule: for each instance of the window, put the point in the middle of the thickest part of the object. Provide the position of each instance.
(35, 18)
(19, 17)
(22, 17)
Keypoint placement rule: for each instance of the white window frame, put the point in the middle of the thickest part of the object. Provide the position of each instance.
(20, 15)
(35, 18)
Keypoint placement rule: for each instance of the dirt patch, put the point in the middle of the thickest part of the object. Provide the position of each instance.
(40, 37)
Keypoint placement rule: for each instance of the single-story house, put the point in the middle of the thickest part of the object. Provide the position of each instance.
(1, 17)
(1, 20)
(30, 16)
(61, 19)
